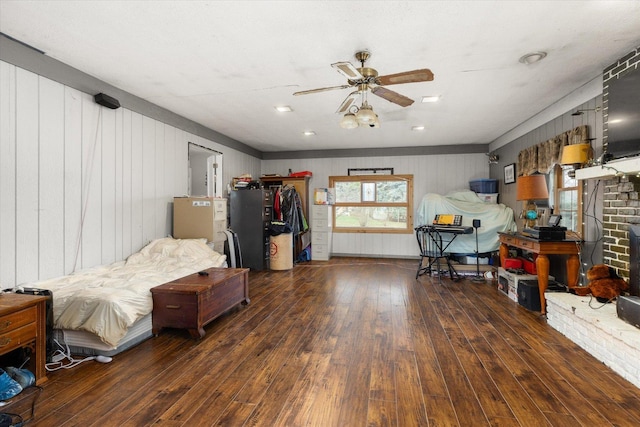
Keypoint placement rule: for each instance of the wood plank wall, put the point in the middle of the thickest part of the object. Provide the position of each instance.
(439, 174)
(592, 195)
(83, 185)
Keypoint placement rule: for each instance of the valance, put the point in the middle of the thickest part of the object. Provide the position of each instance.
(543, 156)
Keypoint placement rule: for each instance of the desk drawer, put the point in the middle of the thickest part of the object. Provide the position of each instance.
(525, 244)
(508, 240)
(17, 338)
(18, 319)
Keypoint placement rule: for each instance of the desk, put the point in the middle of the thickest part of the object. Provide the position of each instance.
(23, 324)
(434, 247)
(543, 248)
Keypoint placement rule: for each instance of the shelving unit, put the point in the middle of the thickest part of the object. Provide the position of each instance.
(301, 184)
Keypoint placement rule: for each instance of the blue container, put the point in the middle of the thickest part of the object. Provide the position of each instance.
(484, 185)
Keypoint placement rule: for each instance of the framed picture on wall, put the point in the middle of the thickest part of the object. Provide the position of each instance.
(510, 173)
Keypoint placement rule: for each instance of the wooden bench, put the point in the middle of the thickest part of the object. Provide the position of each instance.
(195, 300)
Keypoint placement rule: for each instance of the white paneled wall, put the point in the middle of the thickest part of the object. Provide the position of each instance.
(83, 185)
(431, 174)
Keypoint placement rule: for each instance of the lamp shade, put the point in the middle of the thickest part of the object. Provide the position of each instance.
(576, 154)
(349, 121)
(532, 187)
(365, 114)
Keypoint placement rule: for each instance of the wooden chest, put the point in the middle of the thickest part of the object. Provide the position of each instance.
(195, 300)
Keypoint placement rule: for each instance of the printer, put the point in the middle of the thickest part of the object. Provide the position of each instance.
(551, 232)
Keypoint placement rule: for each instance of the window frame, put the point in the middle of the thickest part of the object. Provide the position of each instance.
(363, 179)
(559, 188)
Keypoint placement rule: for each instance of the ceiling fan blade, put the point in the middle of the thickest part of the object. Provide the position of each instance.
(348, 101)
(322, 89)
(424, 75)
(348, 70)
(392, 96)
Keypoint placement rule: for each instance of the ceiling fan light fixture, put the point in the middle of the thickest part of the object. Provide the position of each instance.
(349, 121)
(365, 114)
(417, 128)
(308, 133)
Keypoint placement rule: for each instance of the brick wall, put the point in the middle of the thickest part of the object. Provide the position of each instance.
(621, 208)
(621, 203)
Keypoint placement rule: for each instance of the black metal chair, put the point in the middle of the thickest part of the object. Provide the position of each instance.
(432, 249)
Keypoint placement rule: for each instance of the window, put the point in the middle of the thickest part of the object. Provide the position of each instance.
(568, 198)
(373, 203)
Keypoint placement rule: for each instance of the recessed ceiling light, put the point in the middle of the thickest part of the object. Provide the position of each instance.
(417, 128)
(308, 133)
(283, 109)
(430, 98)
(533, 57)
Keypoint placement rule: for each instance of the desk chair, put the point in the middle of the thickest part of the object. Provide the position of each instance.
(432, 249)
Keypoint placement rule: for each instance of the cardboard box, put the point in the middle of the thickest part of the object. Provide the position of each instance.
(199, 217)
(508, 282)
(488, 197)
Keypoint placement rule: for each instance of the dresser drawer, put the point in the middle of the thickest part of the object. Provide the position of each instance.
(17, 337)
(18, 319)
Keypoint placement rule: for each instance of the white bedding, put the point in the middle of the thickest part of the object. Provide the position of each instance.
(107, 300)
(493, 218)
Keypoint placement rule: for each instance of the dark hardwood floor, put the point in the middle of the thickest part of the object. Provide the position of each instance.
(351, 342)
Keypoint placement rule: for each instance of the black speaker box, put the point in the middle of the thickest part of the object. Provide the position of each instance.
(529, 294)
(628, 309)
(106, 101)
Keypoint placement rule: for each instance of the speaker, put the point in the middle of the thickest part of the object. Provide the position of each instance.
(476, 223)
(529, 294)
(106, 101)
(628, 308)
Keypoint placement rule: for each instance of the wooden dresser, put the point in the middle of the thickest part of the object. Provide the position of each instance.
(195, 300)
(23, 325)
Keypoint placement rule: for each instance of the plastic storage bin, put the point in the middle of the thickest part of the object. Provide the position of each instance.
(484, 186)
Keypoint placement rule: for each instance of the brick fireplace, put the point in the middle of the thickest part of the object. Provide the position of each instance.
(593, 326)
(621, 204)
(621, 208)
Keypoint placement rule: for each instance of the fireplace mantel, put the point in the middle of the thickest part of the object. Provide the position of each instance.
(627, 166)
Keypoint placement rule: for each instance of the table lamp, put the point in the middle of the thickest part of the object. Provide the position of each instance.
(530, 188)
(576, 155)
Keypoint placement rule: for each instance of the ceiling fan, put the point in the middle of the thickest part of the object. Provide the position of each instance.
(367, 79)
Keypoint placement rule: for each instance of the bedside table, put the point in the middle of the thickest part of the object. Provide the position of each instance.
(23, 325)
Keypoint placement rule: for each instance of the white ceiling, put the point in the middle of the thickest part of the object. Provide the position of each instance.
(226, 64)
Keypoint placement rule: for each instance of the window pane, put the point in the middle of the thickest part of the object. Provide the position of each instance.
(347, 192)
(567, 181)
(392, 192)
(568, 208)
(371, 217)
